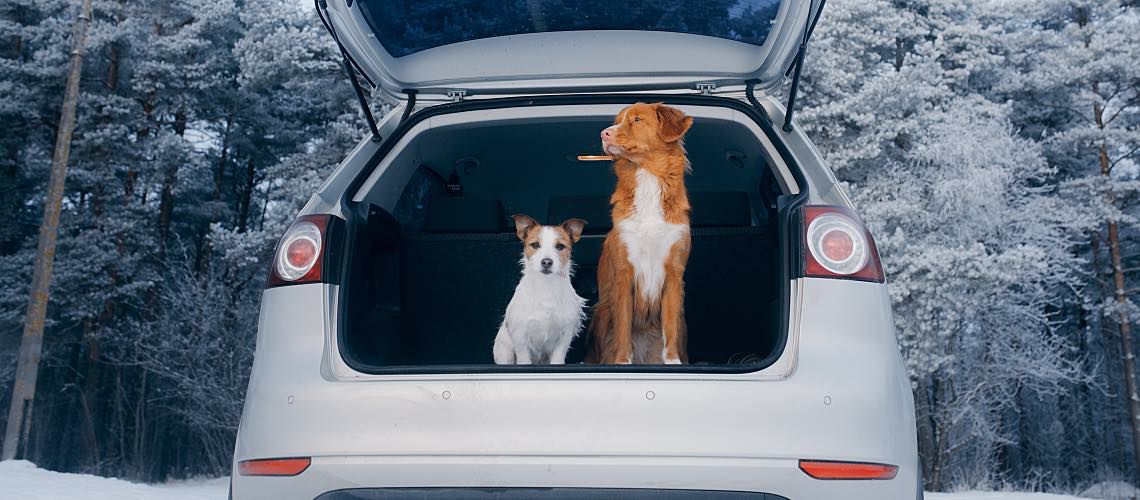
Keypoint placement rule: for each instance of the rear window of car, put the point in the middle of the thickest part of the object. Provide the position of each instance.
(405, 27)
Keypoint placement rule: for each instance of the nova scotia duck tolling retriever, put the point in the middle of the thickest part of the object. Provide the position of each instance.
(639, 317)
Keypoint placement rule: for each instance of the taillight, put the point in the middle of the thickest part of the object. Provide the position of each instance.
(273, 466)
(300, 255)
(839, 246)
(826, 469)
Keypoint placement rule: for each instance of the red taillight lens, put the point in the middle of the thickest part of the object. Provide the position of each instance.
(302, 253)
(274, 466)
(839, 246)
(823, 469)
(299, 256)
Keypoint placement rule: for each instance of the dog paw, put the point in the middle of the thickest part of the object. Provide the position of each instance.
(672, 361)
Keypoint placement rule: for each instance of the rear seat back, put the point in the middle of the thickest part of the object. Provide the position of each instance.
(461, 273)
(459, 276)
(731, 281)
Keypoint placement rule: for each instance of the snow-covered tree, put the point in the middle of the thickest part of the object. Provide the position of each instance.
(979, 244)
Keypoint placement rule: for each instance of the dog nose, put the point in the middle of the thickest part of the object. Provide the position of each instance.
(607, 133)
(547, 262)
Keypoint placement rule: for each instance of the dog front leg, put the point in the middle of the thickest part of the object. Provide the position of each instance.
(504, 350)
(673, 306)
(522, 355)
(522, 345)
(613, 316)
(621, 352)
(558, 355)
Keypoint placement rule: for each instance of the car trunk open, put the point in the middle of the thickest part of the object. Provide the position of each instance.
(433, 259)
(478, 48)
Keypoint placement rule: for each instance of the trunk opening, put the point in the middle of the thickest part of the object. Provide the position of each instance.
(432, 258)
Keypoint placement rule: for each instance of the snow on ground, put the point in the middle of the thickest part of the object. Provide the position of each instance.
(997, 495)
(22, 480)
(1112, 490)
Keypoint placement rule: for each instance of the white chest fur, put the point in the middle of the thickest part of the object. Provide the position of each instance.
(542, 318)
(647, 237)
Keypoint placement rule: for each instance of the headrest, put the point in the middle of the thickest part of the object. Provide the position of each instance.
(593, 208)
(720, 209)
(465, 214)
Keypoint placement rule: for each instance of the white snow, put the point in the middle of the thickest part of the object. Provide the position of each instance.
(22, 480)
(1112, 490)
(997, 495)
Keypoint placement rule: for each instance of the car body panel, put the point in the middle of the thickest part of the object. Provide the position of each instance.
(572, 61)
(838, 392)
(846, 400)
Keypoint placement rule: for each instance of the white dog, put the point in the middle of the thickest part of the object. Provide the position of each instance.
(545, 313)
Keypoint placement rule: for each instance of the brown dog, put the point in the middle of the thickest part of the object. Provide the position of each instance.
(640, 315)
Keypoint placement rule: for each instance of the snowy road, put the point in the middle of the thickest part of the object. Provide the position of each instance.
(21, 480)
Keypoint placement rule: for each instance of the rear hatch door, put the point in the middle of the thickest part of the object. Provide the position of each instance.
(479, 48)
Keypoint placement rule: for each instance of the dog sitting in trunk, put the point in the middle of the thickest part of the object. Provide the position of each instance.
(545, 313)
(640, 315)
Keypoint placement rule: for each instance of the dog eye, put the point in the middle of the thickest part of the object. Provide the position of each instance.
(636, 118)
(535, 245)
(560, 247)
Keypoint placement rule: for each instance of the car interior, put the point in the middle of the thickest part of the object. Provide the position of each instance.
(429, 275)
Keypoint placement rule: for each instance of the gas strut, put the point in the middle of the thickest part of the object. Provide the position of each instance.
(798, 66)
(322, 5)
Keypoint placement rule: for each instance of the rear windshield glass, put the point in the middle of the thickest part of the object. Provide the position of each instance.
(408, 26)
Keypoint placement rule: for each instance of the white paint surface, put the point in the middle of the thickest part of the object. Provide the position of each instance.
(23, 480)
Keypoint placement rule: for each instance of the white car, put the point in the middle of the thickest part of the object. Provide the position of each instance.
(373, 376)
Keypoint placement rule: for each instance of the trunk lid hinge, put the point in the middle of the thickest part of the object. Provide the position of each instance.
(798, 66)
(456, 95)
(706, 88)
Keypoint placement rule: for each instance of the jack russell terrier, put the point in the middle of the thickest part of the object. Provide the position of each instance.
(545, 313)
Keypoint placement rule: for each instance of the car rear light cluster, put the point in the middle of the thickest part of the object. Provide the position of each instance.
(274, 466)
(828, 469)
(838, 245)
(300, 254)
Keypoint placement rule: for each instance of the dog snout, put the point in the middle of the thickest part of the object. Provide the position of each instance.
(547, 262)
(608, 134)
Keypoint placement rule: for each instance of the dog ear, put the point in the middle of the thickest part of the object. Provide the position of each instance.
(672, 123)
(523, 223)
(574, 228)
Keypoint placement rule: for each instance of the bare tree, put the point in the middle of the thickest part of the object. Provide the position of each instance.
(31, 344)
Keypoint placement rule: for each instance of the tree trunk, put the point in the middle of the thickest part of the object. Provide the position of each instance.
(1126, 349)
(223, 159)
(246, 197)
(1120, 294)
(31, 344)
(166, 206)
(113, 68)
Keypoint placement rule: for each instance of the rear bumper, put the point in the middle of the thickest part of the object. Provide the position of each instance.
(538, 493)
(563, 477)
(847, 398)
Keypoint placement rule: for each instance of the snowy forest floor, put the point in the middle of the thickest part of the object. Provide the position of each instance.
(23, 480)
